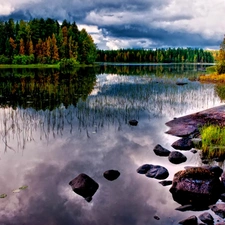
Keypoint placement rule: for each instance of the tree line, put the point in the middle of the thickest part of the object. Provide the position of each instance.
(170, 55)
(45, 41)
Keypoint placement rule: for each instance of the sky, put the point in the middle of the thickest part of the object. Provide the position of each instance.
(145, 24)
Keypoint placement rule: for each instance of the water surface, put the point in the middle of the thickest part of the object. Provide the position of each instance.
(54, 126)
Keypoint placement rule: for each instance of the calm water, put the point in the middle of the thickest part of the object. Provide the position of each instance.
(55, 126)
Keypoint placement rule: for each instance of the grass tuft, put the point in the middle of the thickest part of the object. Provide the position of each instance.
(213, 140)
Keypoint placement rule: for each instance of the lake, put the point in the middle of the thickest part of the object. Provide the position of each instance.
(55, 125)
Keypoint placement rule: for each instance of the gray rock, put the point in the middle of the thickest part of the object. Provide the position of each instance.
(144, 168)
(183, 144)
(160, 151)
(192, 220)
(176, 157)
(157, 172)
(84, 185)
(206, 218)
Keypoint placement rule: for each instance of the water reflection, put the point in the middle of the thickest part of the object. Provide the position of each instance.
(91, 137)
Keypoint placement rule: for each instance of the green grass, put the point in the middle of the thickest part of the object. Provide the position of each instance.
(3, 66)
(211, 69)
(213, 140)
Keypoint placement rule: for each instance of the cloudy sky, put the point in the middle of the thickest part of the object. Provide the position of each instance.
(132, 23)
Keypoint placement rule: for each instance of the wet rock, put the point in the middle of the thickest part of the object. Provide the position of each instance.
(192, 220)
(111, 174)
(184, 208)
(157, 172)
(206, 218)
(84, 185)
(133, 122)
(196, 186)
(219, 209)
(166, 182)
(160, 151)
(176, 157)
(183, 144)
(216, 170)
(144, 168)
(220, 223)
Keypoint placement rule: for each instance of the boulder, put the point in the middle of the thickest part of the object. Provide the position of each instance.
(184, 208)
(153, 171)
(196, 186)
(219, 209)
(176, 157)
(133, 122)
(192, 220)
(206, 218)
(144, 168)
(183, 144)
(84, 185)
(111, 174)
(157, 172)
(160, 151)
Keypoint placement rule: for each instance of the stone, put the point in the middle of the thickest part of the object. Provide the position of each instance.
(176, 157)
(183, 144)
(157, 172)
(133, 122)
(84, 186)
(192, 220)
(144, 168)
(111, 174)
(219, 209)
(160, 151)
(206, 218)
(166, 182)
(196, 186)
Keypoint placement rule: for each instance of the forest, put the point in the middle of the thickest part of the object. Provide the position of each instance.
(170, 55)
(45, 41)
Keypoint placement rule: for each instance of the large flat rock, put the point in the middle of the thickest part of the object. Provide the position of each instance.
(186, 125)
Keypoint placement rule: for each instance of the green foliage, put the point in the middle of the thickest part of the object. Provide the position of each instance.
(170, 55)
(220, 90)
(68, 63)
(213, 140)
(4, 59)
(47, 40)
(23, 59)
(211, 69)
(220, 67)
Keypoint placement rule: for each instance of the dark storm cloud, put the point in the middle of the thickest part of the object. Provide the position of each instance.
(162, 22)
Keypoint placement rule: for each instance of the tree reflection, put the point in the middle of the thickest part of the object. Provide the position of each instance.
(44, 89)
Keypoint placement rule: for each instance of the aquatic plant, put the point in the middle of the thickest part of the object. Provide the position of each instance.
(213, 140)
